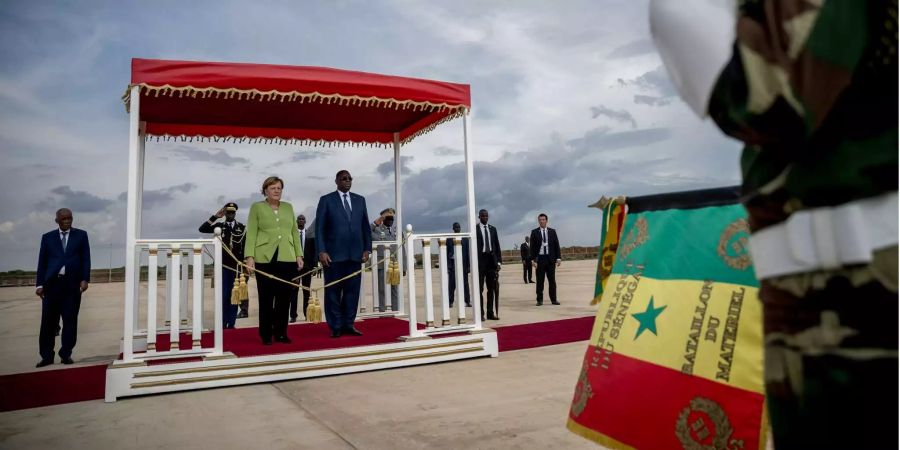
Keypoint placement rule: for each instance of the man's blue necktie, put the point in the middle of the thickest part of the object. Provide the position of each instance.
(346, 206)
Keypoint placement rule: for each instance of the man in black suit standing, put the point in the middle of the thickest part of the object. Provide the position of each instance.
(545, 255)
(451, 268)
(307, 241)
(63, 274)
(525, 250)
(489, 259)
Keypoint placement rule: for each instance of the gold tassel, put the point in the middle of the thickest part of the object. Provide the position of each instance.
(244, 294)
(239, 293)
(236, 292)
(314, 310)
(393, 273)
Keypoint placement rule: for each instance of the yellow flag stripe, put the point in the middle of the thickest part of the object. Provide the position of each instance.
(704, 328)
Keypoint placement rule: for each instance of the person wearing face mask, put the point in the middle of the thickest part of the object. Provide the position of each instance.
(272, 245)
(383, 230)
(233, 233)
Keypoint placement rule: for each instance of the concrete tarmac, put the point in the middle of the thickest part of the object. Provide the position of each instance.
(518, 400)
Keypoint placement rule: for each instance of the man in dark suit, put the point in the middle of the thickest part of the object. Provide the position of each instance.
(451, 268)
(545, 255)
(525, 250)
(63, 274)
(489, 259)
(233, 233)
(343, 243)
(309, 265)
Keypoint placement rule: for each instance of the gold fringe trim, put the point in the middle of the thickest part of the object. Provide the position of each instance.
(273, 95)
(261, 140)
(294, 141)
(429, 128)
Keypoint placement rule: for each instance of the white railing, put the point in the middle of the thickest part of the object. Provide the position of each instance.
(180, 255)
(369, 306)
(446, 324)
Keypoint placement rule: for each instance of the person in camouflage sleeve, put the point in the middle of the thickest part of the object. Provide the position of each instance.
(811, 89)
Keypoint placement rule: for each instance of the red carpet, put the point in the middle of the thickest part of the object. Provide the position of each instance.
(540, 334)
(54, 387)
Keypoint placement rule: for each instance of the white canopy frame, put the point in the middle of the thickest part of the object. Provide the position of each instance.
(136, 160)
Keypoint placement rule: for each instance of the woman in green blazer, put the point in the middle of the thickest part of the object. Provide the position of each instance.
(273, 246)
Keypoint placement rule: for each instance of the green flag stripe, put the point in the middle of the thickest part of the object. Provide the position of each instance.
(667, 245)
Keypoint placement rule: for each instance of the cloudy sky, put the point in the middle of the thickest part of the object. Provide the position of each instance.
(570, 102)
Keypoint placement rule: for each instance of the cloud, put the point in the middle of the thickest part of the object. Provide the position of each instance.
(214, 156)
(6, 227)
(634, 48)
(558, 177)
(447, 151)
(307, 155)
(77, 201)
(160, 197)
(386, 168)
(651, 100)
(656, 80)
(617, 115)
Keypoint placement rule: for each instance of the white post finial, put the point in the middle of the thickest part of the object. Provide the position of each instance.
(409, 228)
(217, 231)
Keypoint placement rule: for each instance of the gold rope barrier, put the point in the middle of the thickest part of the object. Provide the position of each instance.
(314, 311)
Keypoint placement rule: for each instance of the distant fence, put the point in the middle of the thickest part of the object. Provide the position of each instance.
(515, 256)
(116, 275)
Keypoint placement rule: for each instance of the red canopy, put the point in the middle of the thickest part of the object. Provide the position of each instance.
(289, 103)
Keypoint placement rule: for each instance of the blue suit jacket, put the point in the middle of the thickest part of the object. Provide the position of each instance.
(76, 257)
(342, 238)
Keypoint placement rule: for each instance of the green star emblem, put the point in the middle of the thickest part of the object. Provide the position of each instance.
(647, 319)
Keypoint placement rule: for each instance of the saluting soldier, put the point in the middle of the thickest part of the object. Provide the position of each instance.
(233, 233)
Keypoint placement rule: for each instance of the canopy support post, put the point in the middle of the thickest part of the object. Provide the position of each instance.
(401, 257)
(132, 227)
(474, 287)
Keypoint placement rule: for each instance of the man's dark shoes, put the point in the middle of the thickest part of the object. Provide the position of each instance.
(44, 363)
(555, 303)
(336, 333)
(267, 342)
(352, 331)
(539, 304)
(293, 319)
(67, 361)
(493, 317)
(283, 340)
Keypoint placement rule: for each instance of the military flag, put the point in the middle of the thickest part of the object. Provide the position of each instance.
(610, 232)
(676, 354)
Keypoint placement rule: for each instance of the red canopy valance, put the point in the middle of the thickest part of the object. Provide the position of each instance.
(289, 103)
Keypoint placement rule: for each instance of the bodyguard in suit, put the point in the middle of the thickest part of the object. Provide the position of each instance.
(451, 268)
(525, 251)
(545, 255)
(63, 274)
(343, 243)
(489, 259)
(308, 245)
(233, 233)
